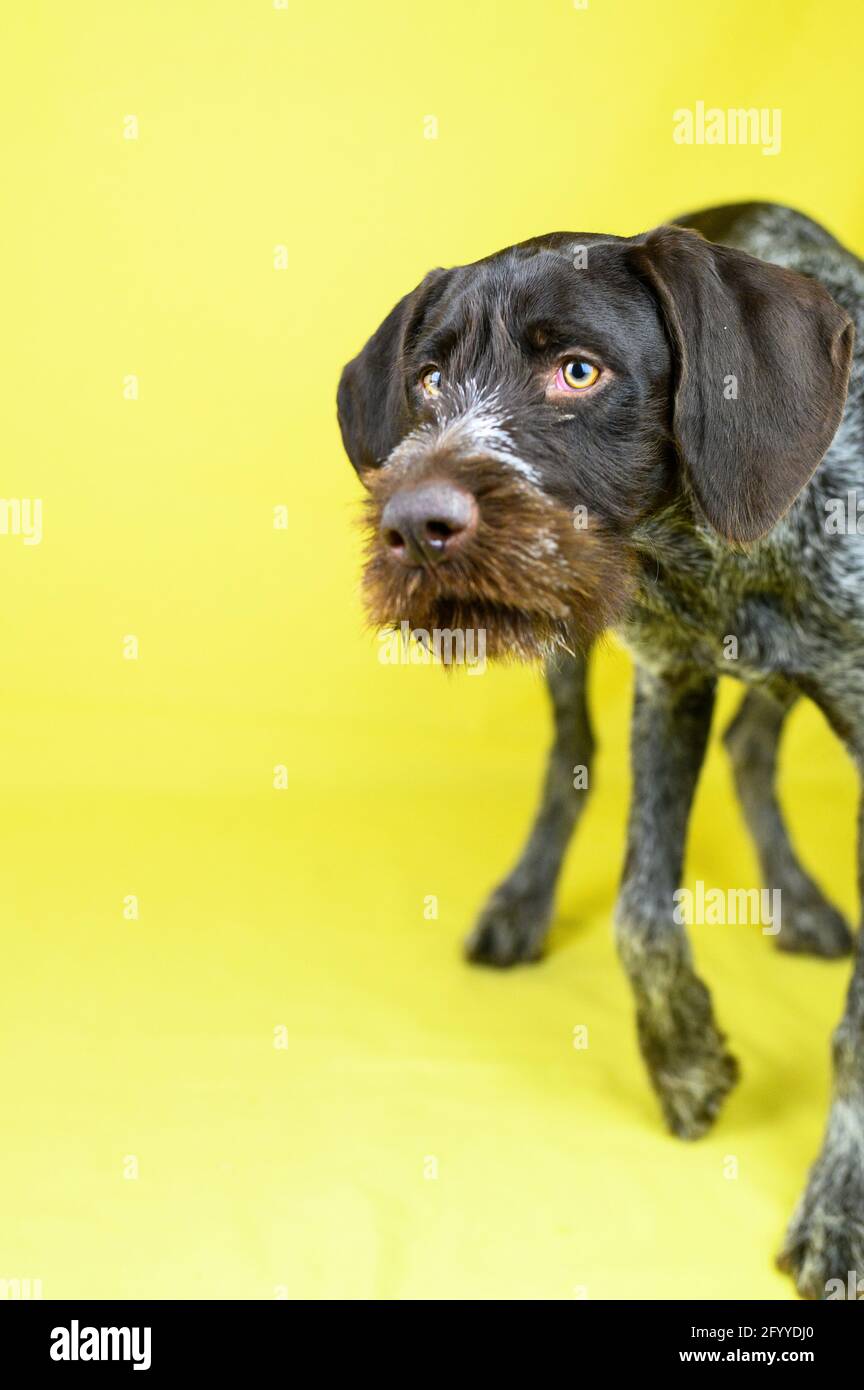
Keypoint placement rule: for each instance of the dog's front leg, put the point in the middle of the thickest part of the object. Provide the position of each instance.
(824, 1246)
(690, 1069)
(512, 926)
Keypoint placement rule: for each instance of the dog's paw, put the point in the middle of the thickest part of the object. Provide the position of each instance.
(688, 1063)
(691, 1088)
(824, 1244)
(510, 930)
(812, 926)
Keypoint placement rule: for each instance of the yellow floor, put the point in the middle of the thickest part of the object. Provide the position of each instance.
(428, 1130)
(309, 1169)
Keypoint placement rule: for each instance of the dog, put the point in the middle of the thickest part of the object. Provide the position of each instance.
(649, 433)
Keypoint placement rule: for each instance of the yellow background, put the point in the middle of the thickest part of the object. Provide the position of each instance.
(300, 1171)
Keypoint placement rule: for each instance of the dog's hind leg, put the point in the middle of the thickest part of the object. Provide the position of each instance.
(809, 922)
(515, 920)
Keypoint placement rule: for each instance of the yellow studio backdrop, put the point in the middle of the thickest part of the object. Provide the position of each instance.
(240, 1060)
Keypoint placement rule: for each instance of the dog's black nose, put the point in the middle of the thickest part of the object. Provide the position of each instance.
(425, 524)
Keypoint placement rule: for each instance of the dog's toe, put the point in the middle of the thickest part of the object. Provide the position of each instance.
(692, 1094)
(690, 1067)
(509, 931)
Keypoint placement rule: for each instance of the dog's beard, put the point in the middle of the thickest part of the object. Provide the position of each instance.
(530, 577)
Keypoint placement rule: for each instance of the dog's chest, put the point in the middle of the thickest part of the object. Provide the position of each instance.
(732, 615)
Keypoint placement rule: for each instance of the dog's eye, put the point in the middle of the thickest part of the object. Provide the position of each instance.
(430, 381)
(576, 375)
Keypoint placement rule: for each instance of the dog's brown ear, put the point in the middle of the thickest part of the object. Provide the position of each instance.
(370, 400)
(763, 357)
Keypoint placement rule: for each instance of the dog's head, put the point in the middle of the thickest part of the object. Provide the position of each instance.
(515, 419)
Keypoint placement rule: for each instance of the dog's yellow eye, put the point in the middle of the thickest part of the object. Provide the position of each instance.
(430, 381)
(576, 375)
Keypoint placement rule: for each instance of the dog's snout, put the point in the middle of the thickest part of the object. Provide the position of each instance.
(423, 525)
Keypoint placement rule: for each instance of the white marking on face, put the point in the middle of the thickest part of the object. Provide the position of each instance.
(467, 420)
